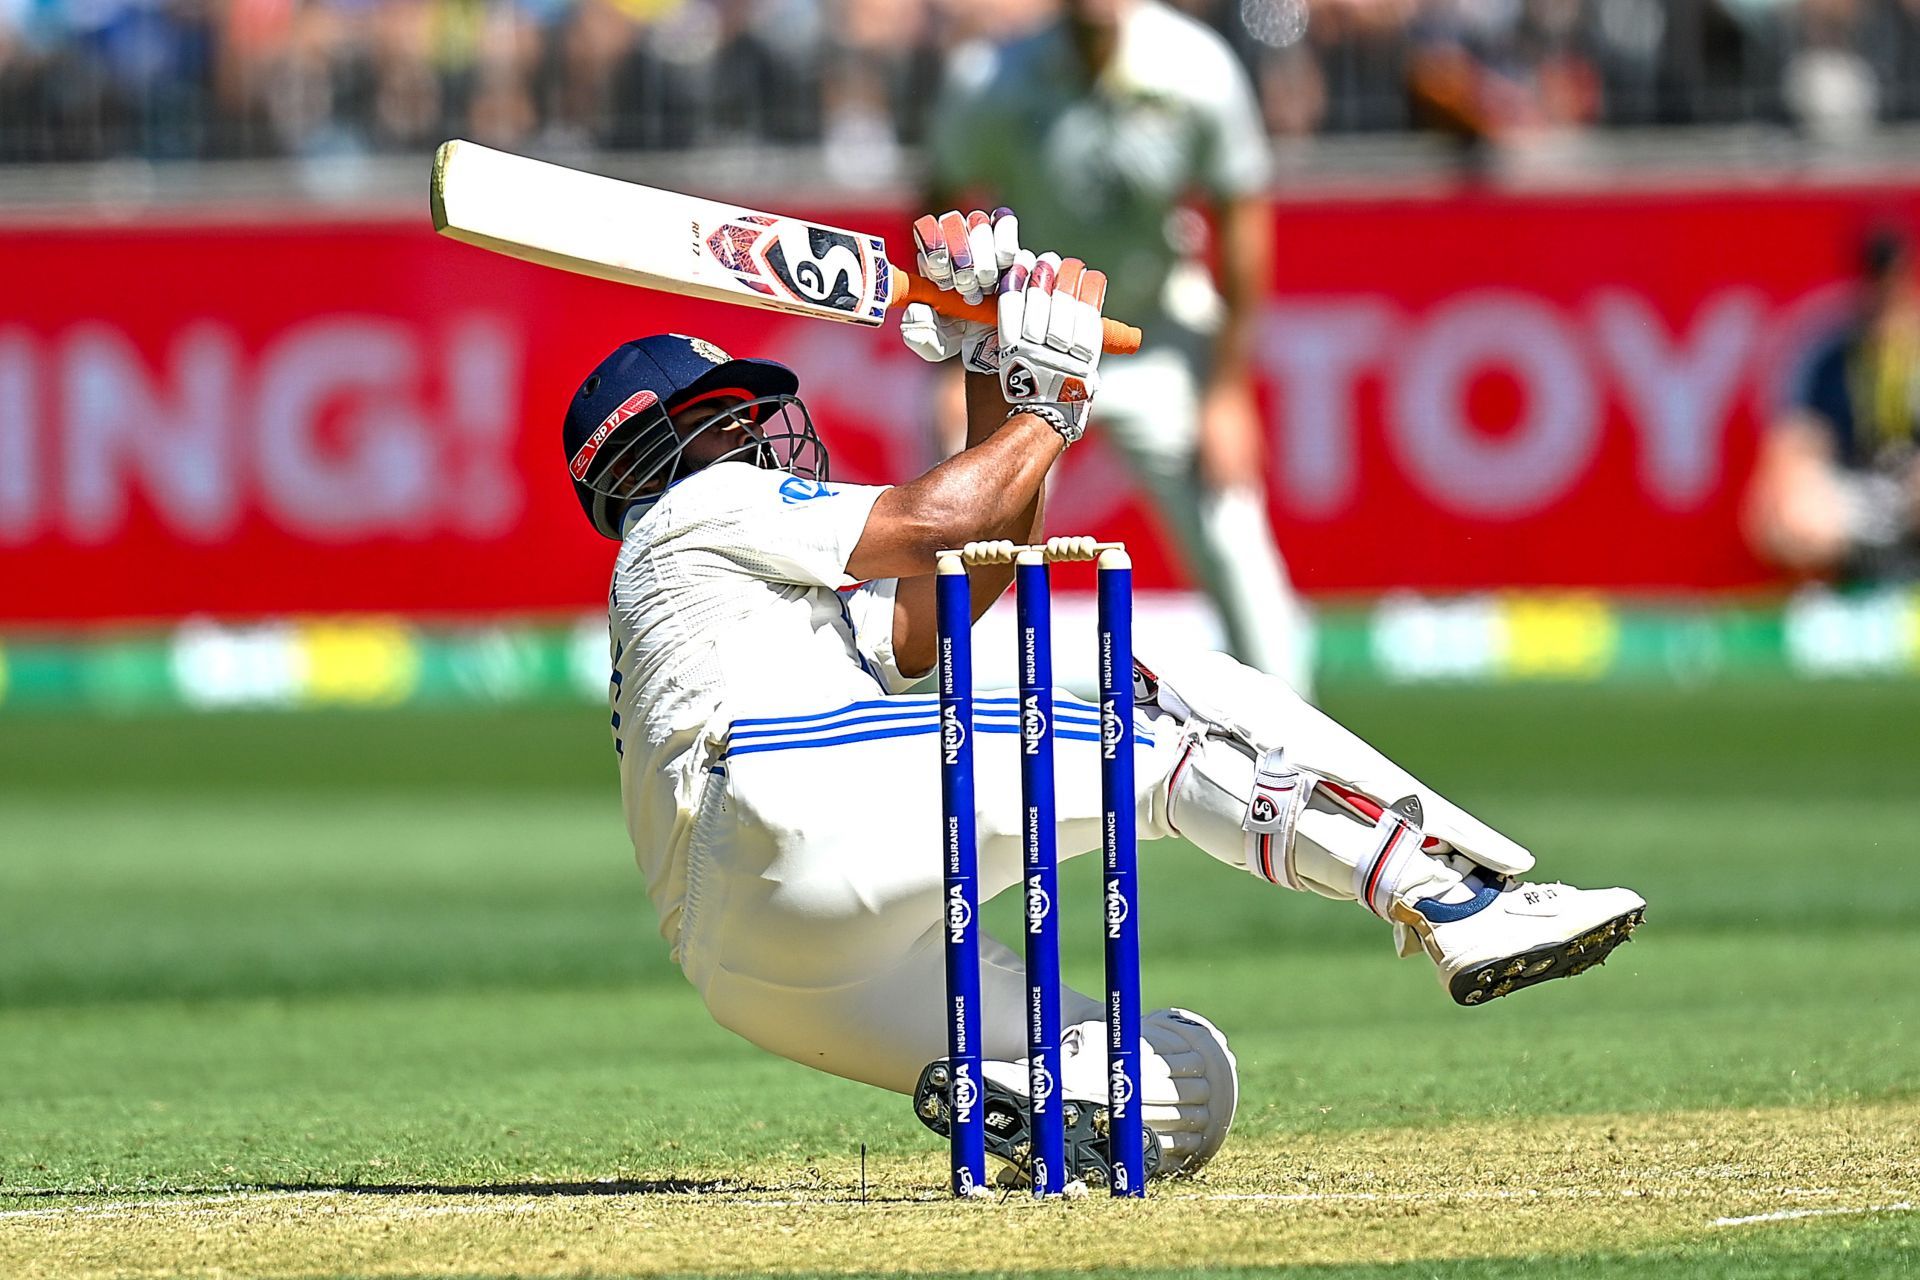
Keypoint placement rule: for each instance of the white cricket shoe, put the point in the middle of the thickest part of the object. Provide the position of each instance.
(1515, 934)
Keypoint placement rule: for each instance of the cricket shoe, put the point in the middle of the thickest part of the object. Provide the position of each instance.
(1512, 934)
(1010, 1137)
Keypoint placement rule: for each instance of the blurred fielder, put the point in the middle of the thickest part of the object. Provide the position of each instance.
(1097, 129)
(783, 790)
(1836, 489)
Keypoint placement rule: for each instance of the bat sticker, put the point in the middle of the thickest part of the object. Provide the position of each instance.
(818, 267)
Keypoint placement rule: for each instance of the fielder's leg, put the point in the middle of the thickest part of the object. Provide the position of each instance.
(1149, 407)
(1264, 782)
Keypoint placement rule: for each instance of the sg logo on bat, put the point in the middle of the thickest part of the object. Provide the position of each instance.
(817, 267)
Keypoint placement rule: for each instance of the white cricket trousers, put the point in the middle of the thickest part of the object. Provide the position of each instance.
(814, 892)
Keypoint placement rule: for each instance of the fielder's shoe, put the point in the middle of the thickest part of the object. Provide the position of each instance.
(1513, 934)
(1009, 1140)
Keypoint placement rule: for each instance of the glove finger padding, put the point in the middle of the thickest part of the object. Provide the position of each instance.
(985, 255)
(1088, 336)
(1041, 282)
(1006, 237)
(953, 230)
(1013, 297)
(932, 258)
(1064, 319)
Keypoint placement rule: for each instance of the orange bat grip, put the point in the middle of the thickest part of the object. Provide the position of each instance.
(1121, 339)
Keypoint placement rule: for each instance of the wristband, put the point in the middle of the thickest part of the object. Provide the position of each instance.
(1070, 427)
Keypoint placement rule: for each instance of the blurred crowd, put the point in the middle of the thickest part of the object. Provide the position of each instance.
(86, 79)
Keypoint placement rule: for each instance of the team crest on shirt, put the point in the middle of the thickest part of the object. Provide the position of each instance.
(800, 489)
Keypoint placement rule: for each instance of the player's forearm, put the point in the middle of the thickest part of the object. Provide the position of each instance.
(987, 491)
(986, 407)
(986, 411)
(988, 582)
(991, 490)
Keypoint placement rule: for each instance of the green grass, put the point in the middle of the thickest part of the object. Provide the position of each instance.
(410, 949)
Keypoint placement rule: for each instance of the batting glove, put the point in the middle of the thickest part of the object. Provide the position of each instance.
(1050, 339)
(935, 338)
(967, 254)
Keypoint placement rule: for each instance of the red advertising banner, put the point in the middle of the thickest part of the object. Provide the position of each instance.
(269, 417)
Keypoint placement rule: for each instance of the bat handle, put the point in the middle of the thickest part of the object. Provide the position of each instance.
(1121, 339)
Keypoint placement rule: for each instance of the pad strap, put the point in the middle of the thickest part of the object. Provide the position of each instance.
(1280, 792)
(1375, 878)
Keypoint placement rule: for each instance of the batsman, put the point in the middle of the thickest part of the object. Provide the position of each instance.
(780, 777)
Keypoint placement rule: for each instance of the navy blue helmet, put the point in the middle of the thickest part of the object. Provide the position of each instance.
(623, 451)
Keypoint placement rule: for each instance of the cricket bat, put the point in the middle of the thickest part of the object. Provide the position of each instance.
(630, 234)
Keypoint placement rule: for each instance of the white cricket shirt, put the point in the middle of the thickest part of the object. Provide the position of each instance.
(727, 601)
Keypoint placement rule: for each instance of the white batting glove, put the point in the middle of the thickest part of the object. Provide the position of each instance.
(934, 337)
(967, 252)
(1050, 339)
(964, 253)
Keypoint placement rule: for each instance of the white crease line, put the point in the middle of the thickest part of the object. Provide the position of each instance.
(1787, 1215)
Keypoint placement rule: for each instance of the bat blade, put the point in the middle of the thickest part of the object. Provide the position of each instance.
(632, 234)
(624, 232)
